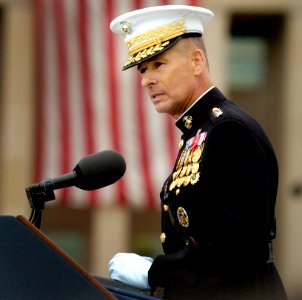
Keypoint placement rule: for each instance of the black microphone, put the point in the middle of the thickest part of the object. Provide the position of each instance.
(92, 172)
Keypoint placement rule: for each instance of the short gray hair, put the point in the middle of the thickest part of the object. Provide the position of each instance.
(199, 42)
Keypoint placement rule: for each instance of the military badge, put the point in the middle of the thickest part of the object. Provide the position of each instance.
(195, 168)
(188, 164)
(188, 121)
(196, 155)
(216, 112)
(195, 178)
(183, 217)
(172, 185)
(180, 182)
(187, 180)
(181, 159)
(126, 27)
(189, 170)
(183, 171)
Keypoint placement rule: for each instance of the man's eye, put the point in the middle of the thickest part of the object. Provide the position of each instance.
(157, 64)
(142, 70)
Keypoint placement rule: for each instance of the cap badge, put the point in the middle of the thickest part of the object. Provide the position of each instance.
(126, 27)
(216, 112)
(183, 217)
(188, 121)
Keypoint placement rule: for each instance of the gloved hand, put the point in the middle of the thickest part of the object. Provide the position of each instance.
(131, 269)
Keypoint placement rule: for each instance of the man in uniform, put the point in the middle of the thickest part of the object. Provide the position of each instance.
(218, 204)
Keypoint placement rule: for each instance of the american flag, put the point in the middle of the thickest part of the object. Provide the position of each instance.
(86, 104)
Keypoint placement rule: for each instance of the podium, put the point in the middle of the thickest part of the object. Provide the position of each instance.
(33, 267)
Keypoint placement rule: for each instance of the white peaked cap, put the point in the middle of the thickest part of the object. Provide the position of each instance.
(152, 30)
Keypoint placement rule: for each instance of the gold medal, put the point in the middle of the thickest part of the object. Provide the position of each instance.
(196, 155)
(187, 180)
(195, 168)
(180, 182)
(188, 157)
(183, 171)
(172, 185)
(189, 169)
(181, 160)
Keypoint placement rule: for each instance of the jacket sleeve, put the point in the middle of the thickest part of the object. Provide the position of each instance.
(167, 270)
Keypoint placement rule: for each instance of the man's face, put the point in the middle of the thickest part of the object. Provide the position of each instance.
(169, 80)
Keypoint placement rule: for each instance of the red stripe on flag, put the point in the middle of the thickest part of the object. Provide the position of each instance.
(114, 117)
(194, 2)
(85, 73)
(86, 87)
(63, 94)
(112, 79)
(39, 26)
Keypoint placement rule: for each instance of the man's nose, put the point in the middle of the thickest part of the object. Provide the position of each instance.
(147, 79)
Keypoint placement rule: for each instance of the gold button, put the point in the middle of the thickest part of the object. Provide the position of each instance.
(166, 207)
(163, 237)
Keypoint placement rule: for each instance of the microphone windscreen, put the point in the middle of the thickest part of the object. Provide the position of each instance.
(99, 170)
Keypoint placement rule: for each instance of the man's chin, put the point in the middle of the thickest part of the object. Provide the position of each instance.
(160, 109)
(163, 109)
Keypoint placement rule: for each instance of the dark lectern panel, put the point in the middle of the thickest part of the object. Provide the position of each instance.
(32, 267)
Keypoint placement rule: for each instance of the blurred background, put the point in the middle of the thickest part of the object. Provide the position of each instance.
(63, 96)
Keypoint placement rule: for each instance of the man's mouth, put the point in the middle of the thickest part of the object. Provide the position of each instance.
(156, 96)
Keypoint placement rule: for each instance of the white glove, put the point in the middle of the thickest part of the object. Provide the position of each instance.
(130, 269)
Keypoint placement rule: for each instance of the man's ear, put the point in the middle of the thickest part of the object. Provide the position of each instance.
(199, 61)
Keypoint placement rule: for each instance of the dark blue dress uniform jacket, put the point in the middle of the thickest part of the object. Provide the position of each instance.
(218, 208)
